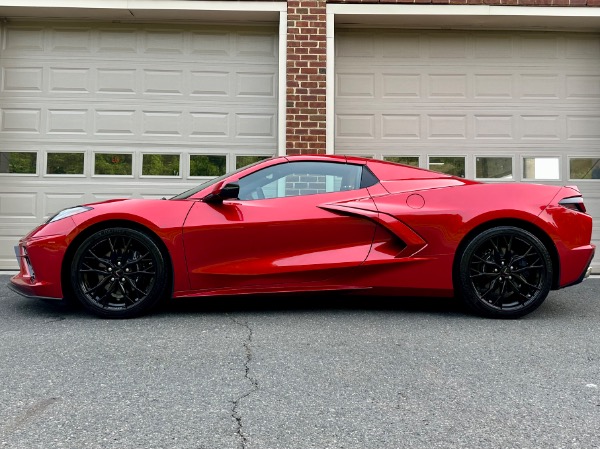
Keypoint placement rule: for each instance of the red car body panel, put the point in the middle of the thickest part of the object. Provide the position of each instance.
(274, 241)
(399, 235)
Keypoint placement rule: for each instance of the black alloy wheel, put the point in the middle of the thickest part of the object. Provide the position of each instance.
(504, 272)
(118, 273)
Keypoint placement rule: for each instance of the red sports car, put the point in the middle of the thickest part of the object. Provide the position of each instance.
(316, 223)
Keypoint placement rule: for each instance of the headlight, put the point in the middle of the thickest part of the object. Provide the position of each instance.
(68, 213)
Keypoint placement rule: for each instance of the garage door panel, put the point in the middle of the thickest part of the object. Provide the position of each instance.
(473, 94)
(82, 106)
(18, 205)
(239, 83)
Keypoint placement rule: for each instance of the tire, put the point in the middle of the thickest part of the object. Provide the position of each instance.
(118, 273)
(504, 272)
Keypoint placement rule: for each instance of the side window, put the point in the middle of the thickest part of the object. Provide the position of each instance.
(300, 178)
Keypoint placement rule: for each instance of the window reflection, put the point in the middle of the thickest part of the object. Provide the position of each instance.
(18, 162)
(541, 168)
(207, 165)
(493, 167)
(449, 165)
(160, 165)
(413, 161)
(65, 163)
(584, 168)
(242, 161)
(115, 164)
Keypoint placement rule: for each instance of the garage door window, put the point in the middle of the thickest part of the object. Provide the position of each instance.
(65, 163)
(113, 164)
(242, 161)
(406, 160)
(541, 168)
(208, 165)
(452, 165)
(584, 168)
(494, 168)
(160, 165)
(23, 163)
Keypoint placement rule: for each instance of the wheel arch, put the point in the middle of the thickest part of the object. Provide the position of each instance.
(527, 226)
(72, 248)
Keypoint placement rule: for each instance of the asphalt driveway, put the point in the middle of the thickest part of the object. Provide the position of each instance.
(301, 372)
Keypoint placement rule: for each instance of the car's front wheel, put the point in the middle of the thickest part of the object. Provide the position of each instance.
(118, 273)
(504, 272)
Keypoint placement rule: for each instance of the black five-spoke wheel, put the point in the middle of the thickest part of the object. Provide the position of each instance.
(118, 273)
(504, 272)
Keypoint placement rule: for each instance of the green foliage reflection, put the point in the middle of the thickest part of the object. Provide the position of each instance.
(18, 162)
(242, 161)
(112, 164)
(413, 161)
(65, 164)
(454, 166)
(205, 165)
(160, 165)
(584, 168)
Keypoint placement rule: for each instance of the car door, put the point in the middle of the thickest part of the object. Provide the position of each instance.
(280, 231)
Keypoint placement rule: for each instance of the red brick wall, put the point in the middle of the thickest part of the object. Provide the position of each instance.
(306, 33)
(482, 2)
(306, 77)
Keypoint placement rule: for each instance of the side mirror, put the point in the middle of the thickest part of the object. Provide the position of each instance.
(227, 192)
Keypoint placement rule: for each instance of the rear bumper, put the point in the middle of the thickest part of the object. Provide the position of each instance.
(587, 270)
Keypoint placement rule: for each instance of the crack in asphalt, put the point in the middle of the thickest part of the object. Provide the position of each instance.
(235, 414)
(30, 413)
(54, 319)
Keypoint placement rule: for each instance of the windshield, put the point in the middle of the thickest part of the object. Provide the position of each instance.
(210, 182)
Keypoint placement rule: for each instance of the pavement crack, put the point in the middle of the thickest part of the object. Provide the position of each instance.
(32, 412)
(54, 319)
(235, 413)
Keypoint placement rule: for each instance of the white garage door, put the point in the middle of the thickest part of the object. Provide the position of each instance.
(96, 111)
(497, 106)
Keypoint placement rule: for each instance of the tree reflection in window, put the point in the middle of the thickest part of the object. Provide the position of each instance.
(18, 162)
(65, 163)
(113, 164)
(584, 168)
(160, 165)
(242, 161)
(449, 165)
(207, 165)
(493, 167)
(413, 161)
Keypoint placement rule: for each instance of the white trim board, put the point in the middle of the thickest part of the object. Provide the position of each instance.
(553, 18)
(162, 10)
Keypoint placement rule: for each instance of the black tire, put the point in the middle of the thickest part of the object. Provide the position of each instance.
(504, 272)
(118, 273)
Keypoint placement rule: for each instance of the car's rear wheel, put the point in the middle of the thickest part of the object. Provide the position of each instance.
(504, 272)
(118, 273)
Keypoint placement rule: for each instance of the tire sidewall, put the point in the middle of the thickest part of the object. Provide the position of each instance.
(466, 290)
(142, 306)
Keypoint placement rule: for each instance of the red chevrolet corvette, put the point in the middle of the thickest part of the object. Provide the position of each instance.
(316, 223)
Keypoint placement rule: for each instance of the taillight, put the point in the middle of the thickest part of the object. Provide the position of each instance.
(574, 203)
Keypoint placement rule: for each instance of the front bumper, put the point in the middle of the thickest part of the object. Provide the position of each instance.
(40, 256)
(29, 291)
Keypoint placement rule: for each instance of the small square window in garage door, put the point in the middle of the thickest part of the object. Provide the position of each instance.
(584, 168)
(18, 162)
(65, 163)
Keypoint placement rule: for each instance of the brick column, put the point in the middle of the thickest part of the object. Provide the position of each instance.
(305, 107)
